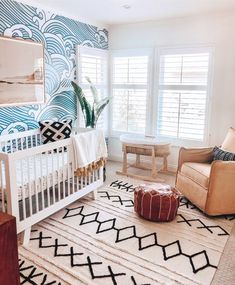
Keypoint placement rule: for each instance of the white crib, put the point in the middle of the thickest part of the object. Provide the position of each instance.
(37, 180)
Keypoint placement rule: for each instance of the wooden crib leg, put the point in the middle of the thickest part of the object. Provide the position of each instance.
(94, 194)
(25, 236)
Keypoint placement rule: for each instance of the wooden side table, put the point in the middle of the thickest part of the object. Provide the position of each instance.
(146, 146)
(9, 265)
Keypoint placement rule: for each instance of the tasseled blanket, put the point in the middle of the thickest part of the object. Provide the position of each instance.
(90, 151)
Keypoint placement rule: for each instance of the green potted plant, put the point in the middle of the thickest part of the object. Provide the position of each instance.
(91, 112)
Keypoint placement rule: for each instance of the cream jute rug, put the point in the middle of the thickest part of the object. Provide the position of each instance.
(104, 242)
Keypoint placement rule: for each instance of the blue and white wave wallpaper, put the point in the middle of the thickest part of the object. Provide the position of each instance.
(60, 35)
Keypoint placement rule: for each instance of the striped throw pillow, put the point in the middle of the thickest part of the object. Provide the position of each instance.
(220, 154)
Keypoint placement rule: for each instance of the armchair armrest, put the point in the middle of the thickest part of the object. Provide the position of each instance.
(221, 192)
(195, 155)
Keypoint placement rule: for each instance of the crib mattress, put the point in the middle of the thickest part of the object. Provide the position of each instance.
(38, 173)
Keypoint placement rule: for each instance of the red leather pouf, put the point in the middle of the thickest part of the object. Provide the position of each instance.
(156, 202)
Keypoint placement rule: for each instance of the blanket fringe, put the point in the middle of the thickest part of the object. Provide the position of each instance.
(85, 171)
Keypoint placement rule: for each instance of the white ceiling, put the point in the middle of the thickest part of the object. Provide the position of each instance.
(110, 12)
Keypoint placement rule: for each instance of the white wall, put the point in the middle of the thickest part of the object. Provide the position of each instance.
(214, 30)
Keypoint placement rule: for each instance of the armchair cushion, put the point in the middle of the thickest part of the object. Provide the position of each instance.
(201, 155)
(229, 141)
(198, 172)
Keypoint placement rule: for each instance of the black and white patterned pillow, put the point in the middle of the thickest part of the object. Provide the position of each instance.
(220, 154)
(52, 131)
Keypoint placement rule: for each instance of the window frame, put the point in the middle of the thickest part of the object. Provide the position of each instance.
(149, 86)
(153, 85)
(156, 94)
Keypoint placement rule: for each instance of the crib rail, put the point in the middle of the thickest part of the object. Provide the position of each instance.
(41, 181)
(11, 143)
(19, 141)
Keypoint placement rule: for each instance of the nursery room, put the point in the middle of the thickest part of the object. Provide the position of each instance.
(117, 142)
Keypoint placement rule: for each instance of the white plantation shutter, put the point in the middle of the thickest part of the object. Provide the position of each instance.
(130, 91)
(183, 95)
(93, 63)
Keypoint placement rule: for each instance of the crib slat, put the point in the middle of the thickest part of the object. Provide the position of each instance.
(31, 141)
(27, 142)
(34, 140)
(53, 178)
(41, 182)
(29, 186)
(10, 146)
(86, 181)
(89, 178)
(47, 179)
(2, 187)
(77, 183)
(82, 182)
(17, 144)
(93, 175)
(73, 180)
(21, 143)
(68, 173)
(72, 172)
(23, 188)
(58, 173)
(35, 161)
(63, 168)
(5, 146)
(70, 178)
(38, 139)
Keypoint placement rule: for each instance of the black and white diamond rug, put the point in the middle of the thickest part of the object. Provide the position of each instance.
(103, 242)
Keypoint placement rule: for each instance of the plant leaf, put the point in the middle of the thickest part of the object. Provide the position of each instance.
(100, 109)
(79, 93)
(85, 105)
(93, 116)
(94, 91)
(102, 101)
(88, 112)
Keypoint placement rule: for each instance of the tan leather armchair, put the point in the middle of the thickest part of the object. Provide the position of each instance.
(208, 184)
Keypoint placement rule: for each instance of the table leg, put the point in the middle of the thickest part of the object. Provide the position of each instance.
(165, 164)
(137, 161)
(124, 165)
(154, 166)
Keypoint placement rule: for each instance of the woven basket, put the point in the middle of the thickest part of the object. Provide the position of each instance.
(159, 150)
(156, 202)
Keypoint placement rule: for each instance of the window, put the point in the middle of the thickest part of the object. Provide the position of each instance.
(130, 81)
(93, 63)
(183, 94)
